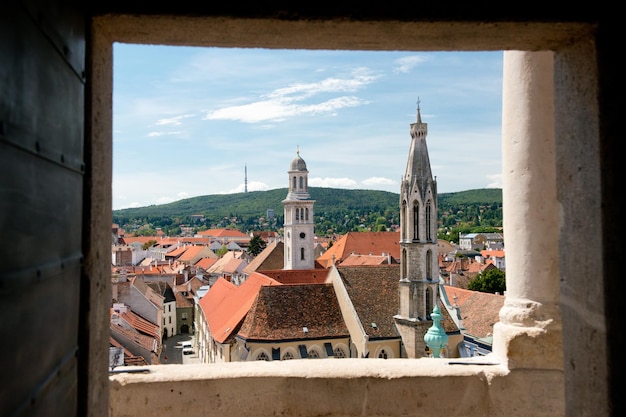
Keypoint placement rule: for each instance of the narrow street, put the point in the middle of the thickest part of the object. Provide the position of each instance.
(172, 352)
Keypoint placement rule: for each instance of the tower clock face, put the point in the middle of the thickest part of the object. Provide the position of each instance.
(302, 235)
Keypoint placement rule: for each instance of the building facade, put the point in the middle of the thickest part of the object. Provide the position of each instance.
(419, 271)
(299, 227)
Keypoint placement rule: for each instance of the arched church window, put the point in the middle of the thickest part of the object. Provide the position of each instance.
(383, 354)
(429, 302)
(288, 355)
(429, 265)
(302, 254)
(416, 220)
(428, 222)
(339, 353)
(262, 357)
(403, 269)
(301, 183)
(403, 220)
(293, 186)
(297, 214)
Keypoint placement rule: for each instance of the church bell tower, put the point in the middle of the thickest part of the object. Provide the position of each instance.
(298, 225)
(419, 265)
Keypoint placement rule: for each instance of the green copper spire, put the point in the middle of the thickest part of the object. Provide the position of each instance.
(436, 338)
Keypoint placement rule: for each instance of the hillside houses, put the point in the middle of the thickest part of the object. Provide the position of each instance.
(480, 241)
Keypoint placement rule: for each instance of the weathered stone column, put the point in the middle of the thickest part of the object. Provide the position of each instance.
(529, 334)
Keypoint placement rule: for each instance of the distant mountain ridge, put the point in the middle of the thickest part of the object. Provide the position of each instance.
(335, 205)
(257, 202)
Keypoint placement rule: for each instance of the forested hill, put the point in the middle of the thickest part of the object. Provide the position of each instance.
(336, 210)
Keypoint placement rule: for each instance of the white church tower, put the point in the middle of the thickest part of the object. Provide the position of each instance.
(299, 226)
(419, 268)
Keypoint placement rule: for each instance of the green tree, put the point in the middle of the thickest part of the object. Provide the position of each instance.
(492, 281)
(222, 251)
(257, 244)
(148, 244)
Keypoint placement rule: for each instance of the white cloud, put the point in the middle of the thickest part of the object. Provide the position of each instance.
(174, 121)
(362, 77)
(374, 181)
(496, 181)
(407, 63)
(277, 111)
(252, 186)
(332, 182)
(280, 103)
(157, 134)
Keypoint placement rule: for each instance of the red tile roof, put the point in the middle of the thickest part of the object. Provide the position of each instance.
(492, 253)
(234, 265)
(191, 285)
(191, 252)
(205, 263)
(140, 324)
(298, 276)
(362, 243)
(147, 342)
(194, 251)
(223, 233)
(182, 301)
(479, 310)
(176, 253)
(224, 306)
(478, 267)
(361, 260)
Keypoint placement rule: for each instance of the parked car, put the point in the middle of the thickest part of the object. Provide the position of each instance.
(187, 348)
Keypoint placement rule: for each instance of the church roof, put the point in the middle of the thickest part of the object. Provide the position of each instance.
(373, 291)
(297, 164)
(294, 312)
(225, 305)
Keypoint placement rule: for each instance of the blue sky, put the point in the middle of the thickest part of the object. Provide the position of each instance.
(189, 121)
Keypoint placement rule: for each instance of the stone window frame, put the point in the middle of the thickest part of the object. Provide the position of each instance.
(570, 39)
